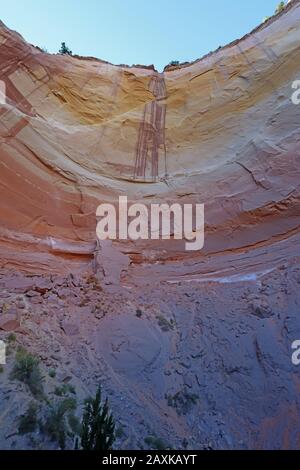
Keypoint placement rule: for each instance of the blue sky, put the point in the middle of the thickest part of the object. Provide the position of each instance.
(135, 31)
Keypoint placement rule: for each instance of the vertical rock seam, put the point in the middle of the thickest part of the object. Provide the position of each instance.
(151, 139)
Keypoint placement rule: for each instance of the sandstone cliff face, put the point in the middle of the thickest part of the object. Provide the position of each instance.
(216, 324)
(221, 131)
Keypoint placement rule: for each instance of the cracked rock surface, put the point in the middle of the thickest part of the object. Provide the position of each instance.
(192, 348)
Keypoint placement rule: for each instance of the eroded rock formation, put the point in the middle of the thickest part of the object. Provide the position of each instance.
(207, 357)
(221, 131)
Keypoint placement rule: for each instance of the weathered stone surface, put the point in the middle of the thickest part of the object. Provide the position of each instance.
(75, 132)
(9, 322)
(207, 359)
(70, 328)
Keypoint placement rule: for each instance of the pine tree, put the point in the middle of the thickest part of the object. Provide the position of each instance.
(64, 49)
(98, 426)
(280, 7)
